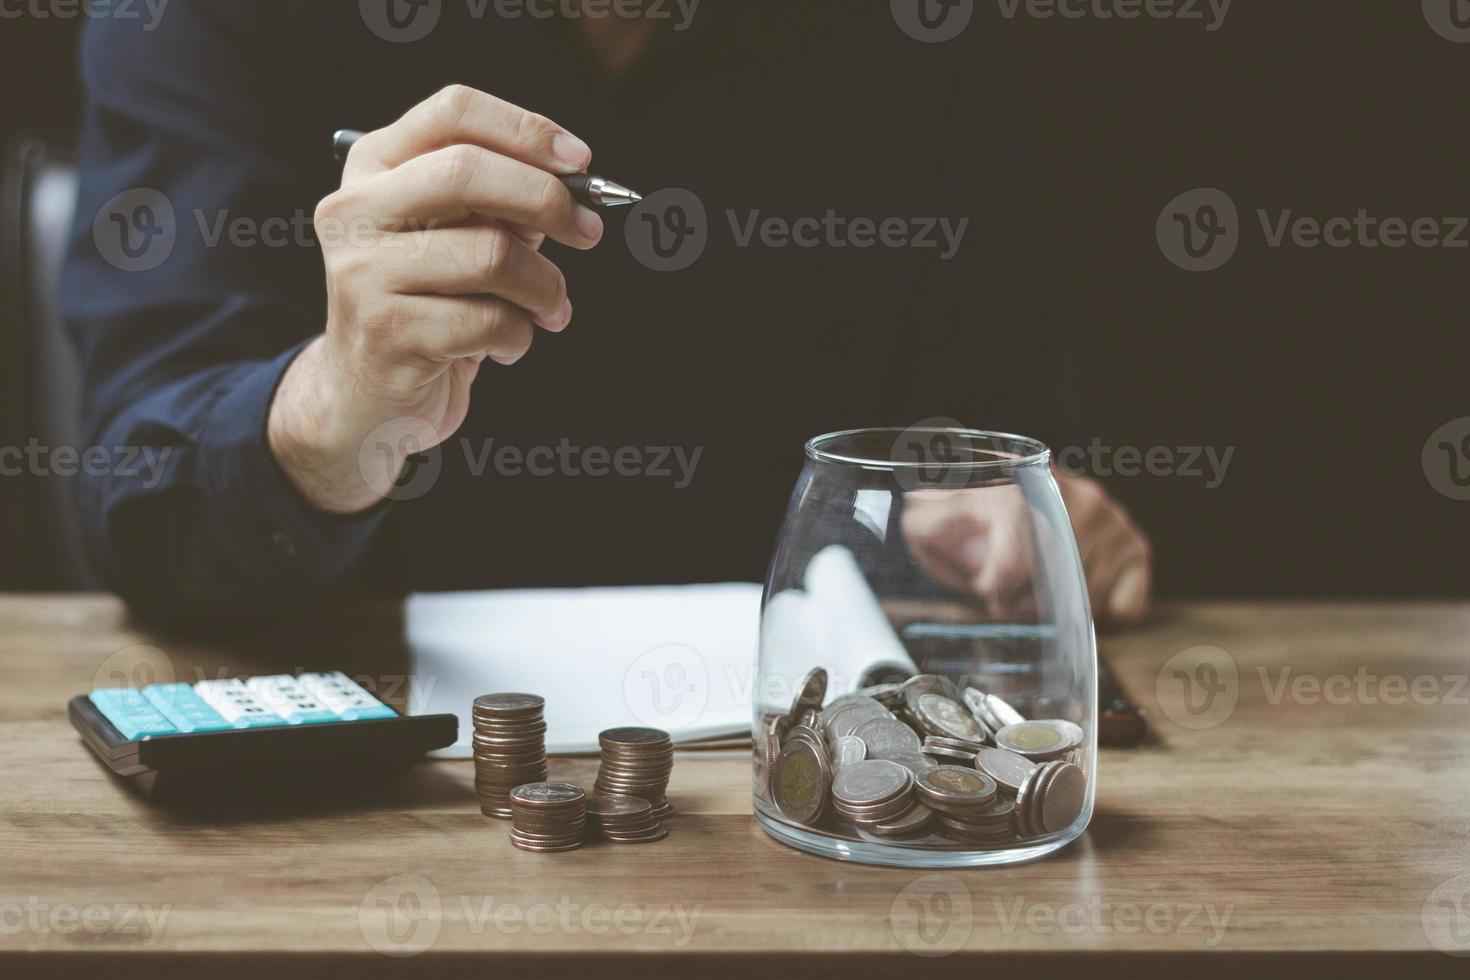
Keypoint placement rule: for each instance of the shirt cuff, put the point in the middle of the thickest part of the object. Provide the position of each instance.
(278, 538)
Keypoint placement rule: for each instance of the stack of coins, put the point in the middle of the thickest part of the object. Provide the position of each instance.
(623, 820)
(510, 748)
(548, 817)
(637, 762)
(872, 793)
(968, 804)
(1050, 799)
(947, 750)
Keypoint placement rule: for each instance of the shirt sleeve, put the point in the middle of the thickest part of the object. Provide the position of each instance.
(192, 281)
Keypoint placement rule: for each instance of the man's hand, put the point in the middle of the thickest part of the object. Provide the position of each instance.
(979, 542)
(433, 265)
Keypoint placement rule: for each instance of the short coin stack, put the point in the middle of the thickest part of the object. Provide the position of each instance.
(876, 795)
(1050, 798)
(623, 820)
(968, 803)
(637, 762)
(548, 817)
(510, 748)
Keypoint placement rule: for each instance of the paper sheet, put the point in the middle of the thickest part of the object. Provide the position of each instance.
(680, 658)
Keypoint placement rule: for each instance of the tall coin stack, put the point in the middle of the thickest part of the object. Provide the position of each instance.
(637, 762)
(548, 817)
(510, 748)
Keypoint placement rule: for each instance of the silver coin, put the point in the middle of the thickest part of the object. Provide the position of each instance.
(871, 782)
(879, 692)
(1040, 740)
(543, 794)
(849, 719)
(1006, 768)
(887, 736)
(843, 700)
(914, 762)
(929, 684)
(913, 821)
(810, 693)
(1004, 714)
(1062, 798)
(941, 716)
(847, 749)
(945, 756)
(963, 744)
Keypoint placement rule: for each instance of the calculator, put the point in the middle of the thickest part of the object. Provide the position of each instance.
(242, 738)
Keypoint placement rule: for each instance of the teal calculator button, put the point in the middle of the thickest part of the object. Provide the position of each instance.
(311, 716)
(368, 712)
(131, 713)
(181, 705)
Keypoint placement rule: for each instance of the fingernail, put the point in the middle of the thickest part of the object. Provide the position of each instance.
(558, 321)
(588, 223)
(571, 151)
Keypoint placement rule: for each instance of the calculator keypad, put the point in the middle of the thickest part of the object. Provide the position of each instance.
(222, 705)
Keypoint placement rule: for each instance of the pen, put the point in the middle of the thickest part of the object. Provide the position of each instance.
(594, 192)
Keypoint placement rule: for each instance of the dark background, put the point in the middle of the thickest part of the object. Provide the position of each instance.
(1325, 370)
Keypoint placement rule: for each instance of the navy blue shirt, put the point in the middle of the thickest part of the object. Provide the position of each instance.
(870, 257)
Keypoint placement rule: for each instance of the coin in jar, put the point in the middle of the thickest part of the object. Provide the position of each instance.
(847, 749)
(800, 782)
(952, 787)
(1008, 769)
(810, 693)
(872, 782)
(886, 737)
(941, 716)
(1040, 741)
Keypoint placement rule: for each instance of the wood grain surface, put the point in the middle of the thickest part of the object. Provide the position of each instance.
(1322, 825)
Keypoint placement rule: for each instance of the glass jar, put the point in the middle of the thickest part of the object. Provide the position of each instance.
(927, 685)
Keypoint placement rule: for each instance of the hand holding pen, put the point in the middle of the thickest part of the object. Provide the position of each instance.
(461, 192)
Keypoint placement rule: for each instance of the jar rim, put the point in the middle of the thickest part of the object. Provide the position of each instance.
(1007, 450)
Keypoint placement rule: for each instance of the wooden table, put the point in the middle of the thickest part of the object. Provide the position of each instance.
(1301, 831)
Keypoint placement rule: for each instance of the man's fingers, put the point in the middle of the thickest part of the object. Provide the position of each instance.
(474, 260)
(440, 327)
(453, 184)
(460, 114)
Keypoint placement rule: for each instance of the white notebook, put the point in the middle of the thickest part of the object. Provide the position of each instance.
(681, 658)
